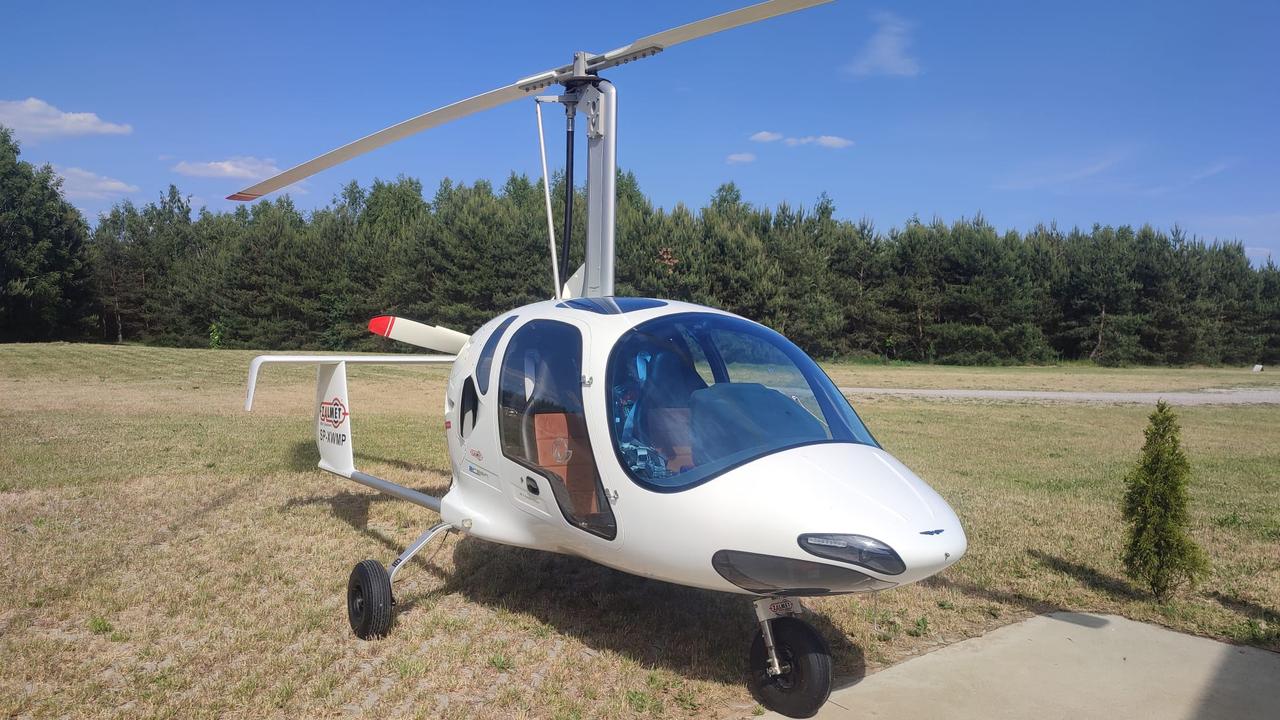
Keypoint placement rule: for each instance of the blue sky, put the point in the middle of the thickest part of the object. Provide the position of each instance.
(1112, 112)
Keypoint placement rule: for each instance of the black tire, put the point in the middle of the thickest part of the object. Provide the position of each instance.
(369, 600)
(804, 688)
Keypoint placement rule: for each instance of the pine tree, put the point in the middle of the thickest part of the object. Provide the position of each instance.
(44, 271)
(1158, 550)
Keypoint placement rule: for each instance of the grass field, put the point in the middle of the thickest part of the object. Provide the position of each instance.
(167, 555)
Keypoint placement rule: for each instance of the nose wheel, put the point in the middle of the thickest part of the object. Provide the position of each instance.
(790, 662)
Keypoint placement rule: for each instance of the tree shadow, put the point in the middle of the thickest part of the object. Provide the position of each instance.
(1039, 606)
(1091, 577)
(1084, 574)
(1248, 608)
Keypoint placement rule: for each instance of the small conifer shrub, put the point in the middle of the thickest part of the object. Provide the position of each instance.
(1159, 552)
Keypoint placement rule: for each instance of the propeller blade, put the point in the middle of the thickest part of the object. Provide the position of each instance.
(644, 47)
(432, 337)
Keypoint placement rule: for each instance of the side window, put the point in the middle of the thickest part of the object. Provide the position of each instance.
(485, 363)
(542, 425)
(467, 413)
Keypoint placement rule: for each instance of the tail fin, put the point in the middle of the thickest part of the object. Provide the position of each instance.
(333, 419)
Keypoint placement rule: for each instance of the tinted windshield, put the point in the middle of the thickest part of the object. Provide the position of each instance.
(695, 394)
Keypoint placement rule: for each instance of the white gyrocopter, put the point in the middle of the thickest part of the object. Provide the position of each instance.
(661, 438)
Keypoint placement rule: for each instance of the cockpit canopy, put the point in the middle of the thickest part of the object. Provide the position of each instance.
(693, 395)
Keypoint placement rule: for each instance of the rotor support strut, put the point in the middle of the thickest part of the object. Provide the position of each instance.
(570, 117)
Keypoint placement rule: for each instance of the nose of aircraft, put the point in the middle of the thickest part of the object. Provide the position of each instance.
(828, 492)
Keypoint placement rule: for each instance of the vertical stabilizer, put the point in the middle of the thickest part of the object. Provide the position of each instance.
(333, 419)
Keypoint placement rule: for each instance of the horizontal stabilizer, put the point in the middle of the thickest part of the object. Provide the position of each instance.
(322, 360)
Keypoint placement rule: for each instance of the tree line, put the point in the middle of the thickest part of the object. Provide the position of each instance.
(272, 276)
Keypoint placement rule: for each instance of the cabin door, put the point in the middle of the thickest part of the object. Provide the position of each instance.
(543, 427)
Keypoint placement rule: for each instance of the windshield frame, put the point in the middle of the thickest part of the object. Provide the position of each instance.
(825, 392)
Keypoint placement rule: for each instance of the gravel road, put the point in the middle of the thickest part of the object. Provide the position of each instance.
(1200, 397)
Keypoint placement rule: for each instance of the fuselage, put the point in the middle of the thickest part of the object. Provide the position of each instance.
(681, 443)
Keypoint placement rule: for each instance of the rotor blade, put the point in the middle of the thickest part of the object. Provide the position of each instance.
(399, 131)
(644, 47)
(651, 44)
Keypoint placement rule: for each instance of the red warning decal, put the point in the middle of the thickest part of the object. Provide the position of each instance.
(333, 412)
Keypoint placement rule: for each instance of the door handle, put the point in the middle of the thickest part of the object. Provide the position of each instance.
(531, 485)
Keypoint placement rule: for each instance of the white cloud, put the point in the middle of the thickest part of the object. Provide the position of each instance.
(1214, 169)
(1058, 177)
(241, 167)
(765, 136)
(886, 53)
(827, 141)
(81, 184)
(34, 119)
(740, 158)
(1195, 177)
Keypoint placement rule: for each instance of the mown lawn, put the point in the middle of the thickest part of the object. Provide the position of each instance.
(167, 555)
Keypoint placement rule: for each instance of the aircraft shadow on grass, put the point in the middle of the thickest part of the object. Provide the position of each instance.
(654, 623)
(303, 457)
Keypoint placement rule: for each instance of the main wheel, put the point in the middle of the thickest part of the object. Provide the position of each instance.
(804, 687)
(369, 600)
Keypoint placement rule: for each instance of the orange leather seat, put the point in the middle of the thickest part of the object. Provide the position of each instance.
(669, 429)
(564, 449)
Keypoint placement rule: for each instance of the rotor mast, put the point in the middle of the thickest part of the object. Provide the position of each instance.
(585, 91)
(597, 99)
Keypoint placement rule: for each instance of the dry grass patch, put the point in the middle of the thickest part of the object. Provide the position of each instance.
(167, 555)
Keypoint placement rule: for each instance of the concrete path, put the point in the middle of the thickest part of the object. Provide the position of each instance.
(1069, 665)
(1201, 397)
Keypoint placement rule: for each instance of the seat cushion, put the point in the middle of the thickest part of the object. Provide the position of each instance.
(564, 449)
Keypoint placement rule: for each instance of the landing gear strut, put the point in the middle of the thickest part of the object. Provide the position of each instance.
(790, 662)
(369, 599)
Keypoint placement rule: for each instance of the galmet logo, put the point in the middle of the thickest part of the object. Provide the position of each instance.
(333, 412)
(782, 607)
